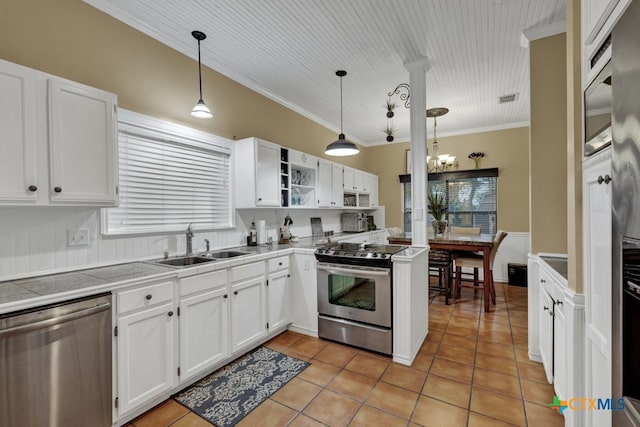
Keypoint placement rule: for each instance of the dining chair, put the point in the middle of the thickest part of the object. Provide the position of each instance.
(476, 262)
(440, 262)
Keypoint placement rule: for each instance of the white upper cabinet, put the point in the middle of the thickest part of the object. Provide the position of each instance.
(257, 173)
(337, 185)
(18, 179)
(82, 144)
(373, 190)
(59, 125)
(329, 184)
(595, 14)
(355, 181)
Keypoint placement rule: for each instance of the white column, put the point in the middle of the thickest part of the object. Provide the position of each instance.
(417, 80)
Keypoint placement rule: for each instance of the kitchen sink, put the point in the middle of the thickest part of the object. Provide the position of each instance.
(184, 261)
(226, 254)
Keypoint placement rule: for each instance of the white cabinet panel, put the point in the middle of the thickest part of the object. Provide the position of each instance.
(597, 281)
(203, 331)
(329, 184)
(337, 185)
(545, 314)
(248, 322)
(146, 355)
(18, 180)
(256, 172)
(81, 143)
(304, 294)
(267, 174)
(278, 299)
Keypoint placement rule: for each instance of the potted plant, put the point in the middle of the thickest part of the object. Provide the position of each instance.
(476, 156)
(390, 107)
(389, 130)
(437, 208)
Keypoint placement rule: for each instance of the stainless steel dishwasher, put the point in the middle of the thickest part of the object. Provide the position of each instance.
(55, 365)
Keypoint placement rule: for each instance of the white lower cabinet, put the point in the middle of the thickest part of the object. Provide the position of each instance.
(169, 333)
(248, 320)
(204, 322)
(559, 344)
(146, 344)
(278, 293)
(545, 316)
(304, 294)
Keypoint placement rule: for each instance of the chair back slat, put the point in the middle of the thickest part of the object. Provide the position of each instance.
(499, 237)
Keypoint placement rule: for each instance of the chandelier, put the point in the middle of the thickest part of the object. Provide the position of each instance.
(437, 162)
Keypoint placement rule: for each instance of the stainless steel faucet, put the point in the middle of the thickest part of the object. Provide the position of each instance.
(206, 241)
(189, 239)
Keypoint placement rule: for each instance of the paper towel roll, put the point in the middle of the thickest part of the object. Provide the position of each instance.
(262, 232)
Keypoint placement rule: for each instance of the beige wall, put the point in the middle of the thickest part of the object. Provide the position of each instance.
(574, 147)
(71, 39)
(548, 145)
(506, 150)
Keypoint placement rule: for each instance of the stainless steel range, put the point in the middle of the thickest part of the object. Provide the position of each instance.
(355, 294)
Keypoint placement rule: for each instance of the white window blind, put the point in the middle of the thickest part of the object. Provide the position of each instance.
(167, 181)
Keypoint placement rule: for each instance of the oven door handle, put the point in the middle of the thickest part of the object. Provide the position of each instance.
(351, 271)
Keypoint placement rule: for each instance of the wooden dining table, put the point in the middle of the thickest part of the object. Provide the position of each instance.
(459, 242)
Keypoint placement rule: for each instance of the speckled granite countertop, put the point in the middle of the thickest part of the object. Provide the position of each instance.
(558, 264)
(52, 288)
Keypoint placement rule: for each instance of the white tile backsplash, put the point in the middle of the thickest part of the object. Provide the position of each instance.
(33, 240)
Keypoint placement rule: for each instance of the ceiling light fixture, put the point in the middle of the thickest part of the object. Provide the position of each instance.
(441, 162)
(342, 146)
(200, 110)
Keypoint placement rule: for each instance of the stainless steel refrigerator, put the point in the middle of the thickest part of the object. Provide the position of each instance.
(625, 79)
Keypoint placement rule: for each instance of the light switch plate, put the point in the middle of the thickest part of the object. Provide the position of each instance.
(79, 237)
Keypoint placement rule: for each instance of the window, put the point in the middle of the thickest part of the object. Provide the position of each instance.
(471, 198)
(169, 176)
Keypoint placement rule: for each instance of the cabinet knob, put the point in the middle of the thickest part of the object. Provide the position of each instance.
(259, 199)
(235, 292)
(607, 179)
(543, 281)
(600, 179)
(148, 297)
(546, 308)
(170, 313)
(225, 296)
(33, 188)
(57, 189)
(280, 263)
(559, 302)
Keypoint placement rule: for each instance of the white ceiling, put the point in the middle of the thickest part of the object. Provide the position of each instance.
(289, 50)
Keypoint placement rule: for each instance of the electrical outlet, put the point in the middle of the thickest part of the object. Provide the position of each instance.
(79, 237)
(305, 264)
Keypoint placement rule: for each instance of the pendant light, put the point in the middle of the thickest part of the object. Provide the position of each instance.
(200, 110)
(342, 146)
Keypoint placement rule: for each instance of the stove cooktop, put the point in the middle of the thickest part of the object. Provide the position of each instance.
(356, 253)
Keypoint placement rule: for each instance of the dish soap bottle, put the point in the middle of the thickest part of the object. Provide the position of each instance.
(253, 235)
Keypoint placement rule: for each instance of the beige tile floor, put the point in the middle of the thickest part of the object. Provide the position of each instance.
(472, 370)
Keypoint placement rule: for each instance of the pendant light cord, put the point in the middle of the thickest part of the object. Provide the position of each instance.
(341, 105)
(199, 70)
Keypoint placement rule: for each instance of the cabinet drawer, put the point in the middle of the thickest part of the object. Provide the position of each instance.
(144, 297)
(202, 282)
(243, 272)
(279, 263)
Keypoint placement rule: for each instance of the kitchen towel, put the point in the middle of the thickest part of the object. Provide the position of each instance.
(262, 232)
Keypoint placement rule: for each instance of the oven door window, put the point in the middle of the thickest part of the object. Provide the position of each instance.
(352, 291)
